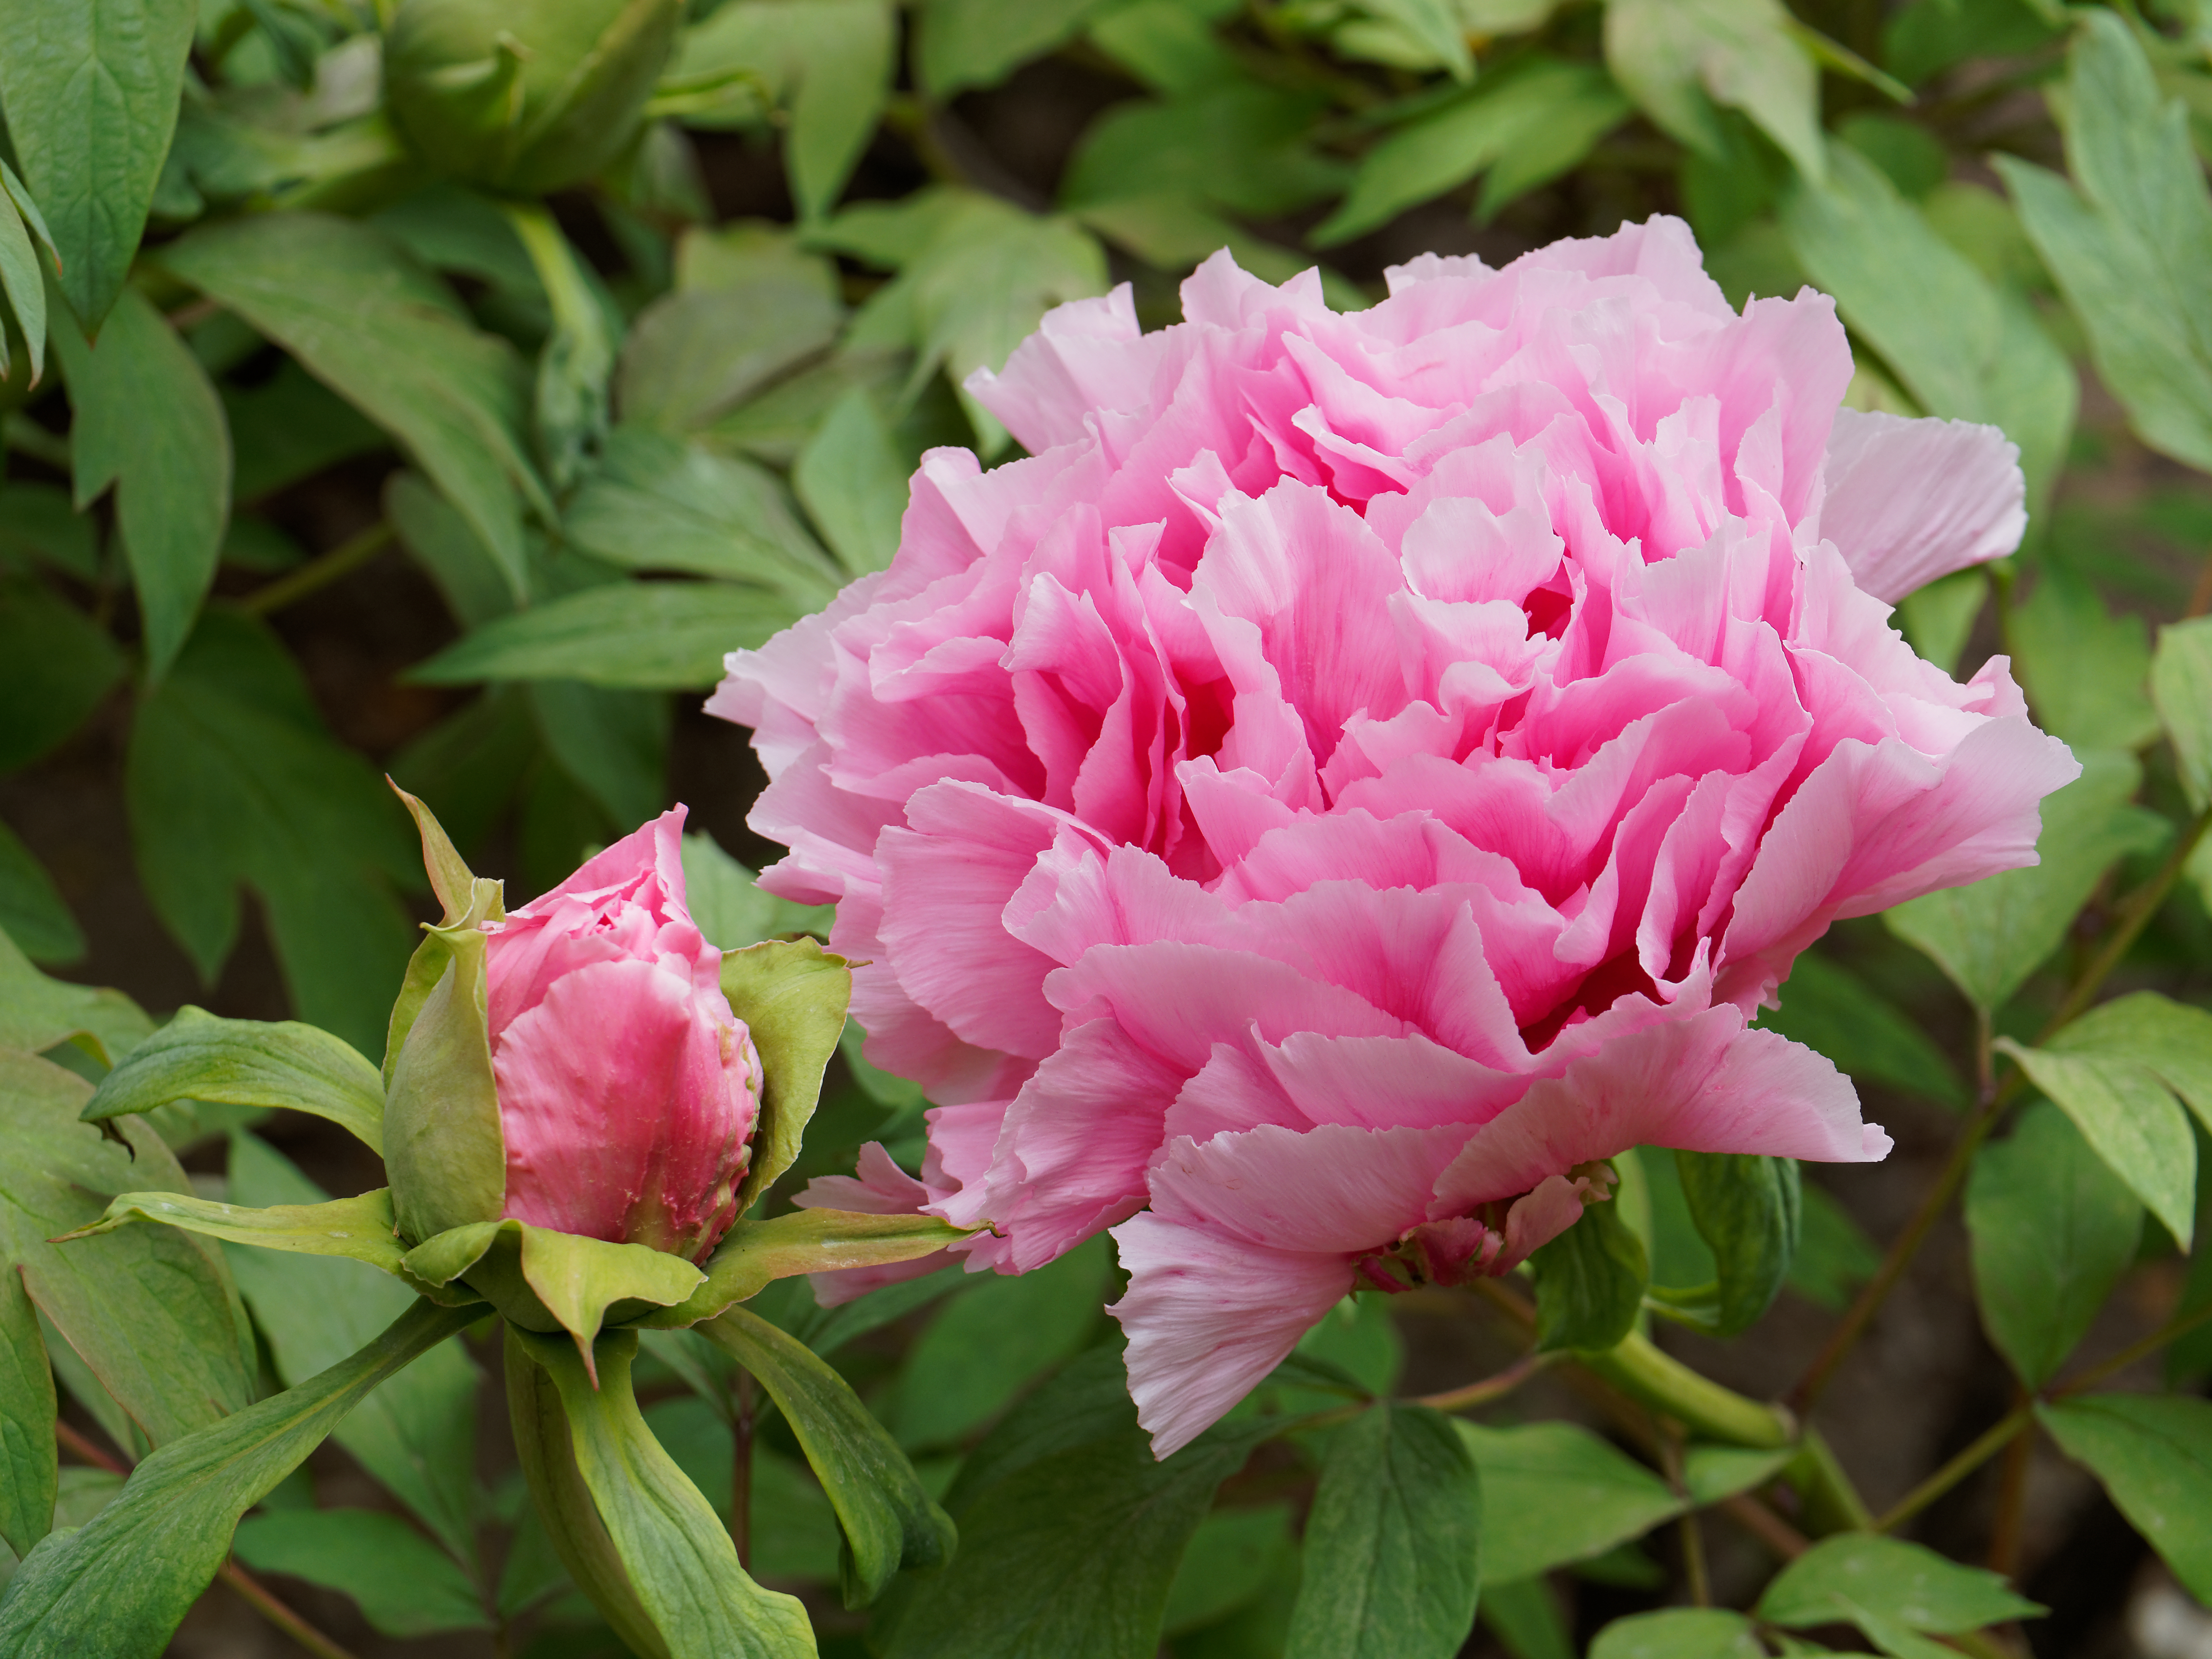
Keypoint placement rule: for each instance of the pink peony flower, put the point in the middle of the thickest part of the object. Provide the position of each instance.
(628, 1090)
(1366, 767)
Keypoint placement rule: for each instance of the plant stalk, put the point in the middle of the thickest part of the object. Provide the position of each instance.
(319, 572)
(1987, 1446)
(742, 1421)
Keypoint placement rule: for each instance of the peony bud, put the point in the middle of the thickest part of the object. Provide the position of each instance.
(628, 1090)
(526, 95)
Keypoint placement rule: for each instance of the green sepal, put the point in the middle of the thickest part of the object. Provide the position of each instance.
(754, 1254)
(889, 1520)
(1590, 1282)
(681, 1569)
(546, 1281)
(246, 1062)
(360, 1227)
(1747, 1208)
(469, 900)
(792, 996)
(444, 1148)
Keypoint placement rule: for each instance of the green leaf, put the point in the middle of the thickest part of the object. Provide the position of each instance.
(288, 428)
(2130, 1120)
(147, 420)
(1673, 56)
(1832, 1011)
(692, 354)
(889, 1521)
(1711, 1473)
(2052, 1230)
(654, 636)
(91, 94)
(990, 1340)
(754, 1254)
(2170, 1040)
(1906, 1583)
(795, 1529)
(1746, 1208)
(404, 1584)
(1590, 1284)
(438, 539)
(56, 666)
(119, 1585)
(1241, 148)
(1835, 1255)
(443, 1144)
(1678, 1633)
(2083, 668)
(1070, 1529)
(791, 997)
(473, 762)
(731, 909)
(2181, 687)
(32, 912)
(1988, 937)
(853, 483)
(1553, 1494)
(1228, 1564)
(230, 777)
(1938, 619)
(1391, 1566)
(358, 1228)
(248, 1062)
(657, 503)
(29, 1476)
(365, 319)
(36, 1012)
(1525, 1619)
(21, 276)
(2128, 239)
(681, 1566)
(570, 415)
(2153, 1454)
(416, 1432)
(978, 43)
(1492, 127)
(36, 522)
(150, 1310)
(1165, 44)
(1441, 28)
(1963, 349)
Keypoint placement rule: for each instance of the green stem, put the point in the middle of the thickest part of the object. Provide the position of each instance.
(251, 1592)
(1988, 1445)
(1641, 1370)
(2134, 913)
(2172, 1330)
(319, 572)
(19, 432)
(1489, 1388)
(1829, 1502)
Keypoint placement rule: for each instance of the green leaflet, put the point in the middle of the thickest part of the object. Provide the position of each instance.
(27, 1407)
(2083, 668)
(853, 483)
(694, 353)
(1673, 58)
(890, 1522)
(1842, 1579)
(1834, 1012)
(1678, 1633)
(21, 277)
(119, 1586)
(404, 1584)
(753, 1254)
(2181, 687)
(791, 997)
(2130, 1119)
(91, 93)
(681, 1566)
(36, 1012)
(56, 664)
(651, 636)
(2154, 1456)
(359, 1228)
(246, 1062)
(1391, 1566)
(1553, 1494)
(978, 43)
(729, 906)
(147, 420)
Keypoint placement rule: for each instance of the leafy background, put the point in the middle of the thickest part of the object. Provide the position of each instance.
(370, 471)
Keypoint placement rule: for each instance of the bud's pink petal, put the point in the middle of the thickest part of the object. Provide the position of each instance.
(628, 1090)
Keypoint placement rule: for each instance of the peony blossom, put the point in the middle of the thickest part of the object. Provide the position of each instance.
(1365, 768)
(628, 1090)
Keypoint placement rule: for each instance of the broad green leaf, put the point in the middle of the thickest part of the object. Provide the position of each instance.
(978, 43)
(1165, 44)
(2127, 239)
(657, 503)
(731, 909)
(1678, 1633)
(36, 1012)
(1524, 1616)
(681, 1566)
(794, 1529)
(544, 1280)
(149, 1310)
(890, 1522)
(385, 334)
(791, 997)
(28, 1408)
(2052, 1230)
(1359, 1338)
(614, 744)
(1492, 127)
(990, 1340)
(693, 354)
(1391, 1568)
(91, 94)
(119, 1585)
(1228, 1564)
(1711, 1473)
(1678, 57)
(1988, 937)
(827, 1330)
(754, 1254)
(1589, 1283)
(2083, 668)
(443, 1143)
(1553, 1494)
(854, 484)
(1070, 1529)
(360, 1227)
(36, 522)
(1906, 1583)
(1746, 1208)
(404, 1584)
(248, 1062)
(2153, 1454)
(288, 428)
(147, 420)
(1938, 619)
(2181, 687)
(471, 764)
(21, 278)
(32, 912)
(1438, 25)
(56, 666)
(231, 778)
(2130, 1120)
(1963, 349)
(2170, 1039)
(438, 539)
(653, 636)
(1241, 148)
(1832, 1011)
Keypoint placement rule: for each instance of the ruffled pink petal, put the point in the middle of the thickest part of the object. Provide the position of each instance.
(1911, 501)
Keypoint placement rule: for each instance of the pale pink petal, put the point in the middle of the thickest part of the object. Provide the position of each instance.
(1911, 501)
